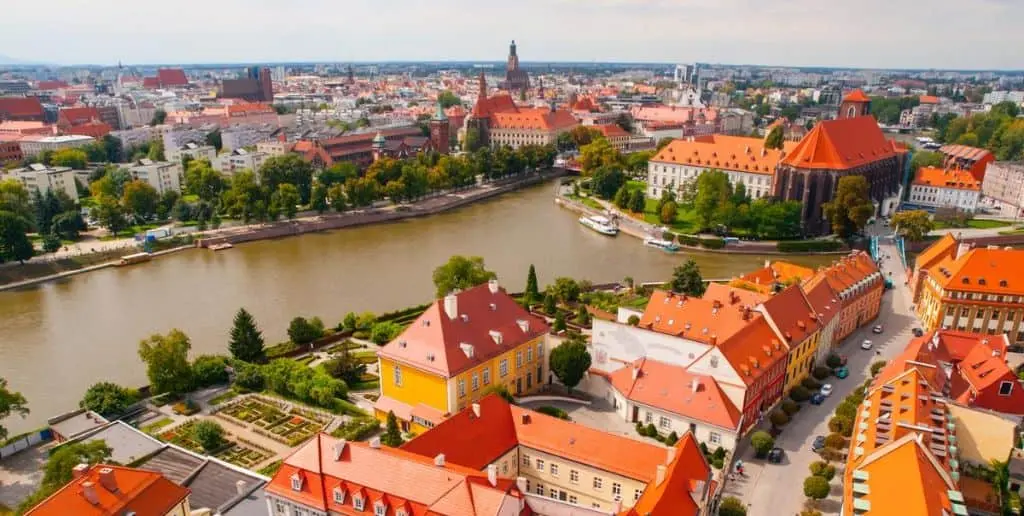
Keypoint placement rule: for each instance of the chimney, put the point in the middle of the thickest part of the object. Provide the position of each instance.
(339, 448)
(89, 492)
(476, 409)
(660, 474)
(375, 443)
(492, 285)
(521, 484)
(492, 475)
(713, 340)
(962, 250)
(525, 419)
(695, 385)
(451, 306)
(439, 460)
(240, 487)
(671, 455)
(107, 479)
(79, 470)
(636, 371)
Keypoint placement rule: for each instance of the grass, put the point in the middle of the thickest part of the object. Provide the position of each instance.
(271, 468)
(224, 396)
(1015, 231)
(686, 219)
(154, 427)
(589, 202)
(134, 230)
(365, 386)
(977, 224)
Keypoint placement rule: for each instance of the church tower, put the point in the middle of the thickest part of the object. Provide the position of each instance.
(378, 146)
(855, 104)
(440, 132)
(479, 120)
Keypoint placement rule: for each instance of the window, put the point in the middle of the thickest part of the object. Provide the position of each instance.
(357, 503)
(503, 368)
(540, 464)
(296, 483)
(636, 494)
(554, 470)
(280, 507)
(529, 354)
(487, 376)
(597, 482)
(616, 491)
(572, 499)
(715, 438)
(664, 422)
(339, 495)
(553, 493)
(526, 460)
(595, 505)
(380, 510)
(540, 350)
(648, 418)
(519, 359)
(539, 489)
(462, 387)
(574, 476)
(1005, 388)
(398, 375)
(476, 382)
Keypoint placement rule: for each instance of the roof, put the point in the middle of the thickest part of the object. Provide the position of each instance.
(730, 295)
(954, 178)
(534, 119)
(128, 443)
(171, 77)
(824, 301)
(933, 254)
(500, 103)
(793, 316)
(856, 95)
(983, 435)
(989, 271)
(753, 350)
(703, 320)
(901, 478)
(611, 130)
(72, 424)
(487, 322)
(841, 144)
(674, 114)
(16, 107)
(674, 389)
(735, 153)
(684, 488)
(965, 152)
(850, 270)
(928, 99)
(144, 492)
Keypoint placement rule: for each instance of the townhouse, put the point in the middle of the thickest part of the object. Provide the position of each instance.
(826, 305)
(859, 285)
(945, 188)
(462, 345)
(791, 316)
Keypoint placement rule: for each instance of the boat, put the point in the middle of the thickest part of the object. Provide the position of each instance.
(664, 245)
(221, 246)
(132, 259)
(600, 224)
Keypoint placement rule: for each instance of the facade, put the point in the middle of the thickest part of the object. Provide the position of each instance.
(356, 148)
(516, 79)
(103, 490)
(34, 145)
(745, 160)
(459, 347)
(238, 160)
(975, 290)
(1004, 182)
(616, 136)
(10, 150)
(859, 286)
(826, 305)
(164, 176)
(42, 178)
(497, 121)
(192, 150)
(256, 86)
(440, 131)
(945, 188)
(791, 316)
(134, 137)
(969, 158)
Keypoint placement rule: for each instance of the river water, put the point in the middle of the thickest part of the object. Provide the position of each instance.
(58, 338)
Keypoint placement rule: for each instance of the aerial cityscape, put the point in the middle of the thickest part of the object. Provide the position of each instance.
(464, 264)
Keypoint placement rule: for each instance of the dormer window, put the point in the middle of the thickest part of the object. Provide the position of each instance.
(339, 495)
(1005, 388)
(296, 482)
(358, 502)
(401, 512)
(379, 509)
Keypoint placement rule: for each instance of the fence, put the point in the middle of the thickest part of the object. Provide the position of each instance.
(25, 441)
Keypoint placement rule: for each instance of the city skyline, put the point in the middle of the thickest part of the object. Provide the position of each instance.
(894, 34)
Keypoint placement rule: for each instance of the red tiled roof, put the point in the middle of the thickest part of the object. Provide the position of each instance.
(144, 492)
(171, 77)
(435, 342)
(79, 115)
(500, 103)
(16, 107)
(736, 153)
(686, 481)
(51, 85)
(947, 178)
(991, 271)
(753, 350)
(856, 95)
(928, 99)
(702, 320)
(792, 315)
(534, 118)
(841, 144)
(611, 130)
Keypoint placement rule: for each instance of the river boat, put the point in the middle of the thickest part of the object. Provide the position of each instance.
(221, 247)
(600, 224)
(664, 245)
(132, 259)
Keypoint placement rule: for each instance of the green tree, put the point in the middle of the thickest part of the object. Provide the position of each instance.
(51, 243)
(349, 322)
(286, 198)
(532, 293)
(245, 199)
(11, 402)
(246, 341)
(776, 138)
(159, 116)
(15, 198)
(140, 199)
(500, 390)
(288, 169)
(621, 199)
(318, 199)
(686, 279)
(816, 488)
(303, 331)
(637, 201)
(167, 365)
(203, 181)
(74, 158)
(67, 225)
(346, 367)
(108, 399)
(362, 191)
(923, 158)
(762, 442)
(113, 148)
(448, 99)
(338, 173)
(668, 212)
(110, 214)
(559, 324)
(336, 197)
(851, 207)
(713, 191)
(14, 242)
(841, 424)
(662, 143)
(213, 139)
(732, 506)
(570, 360)
(209, 370)
(823, 469)
(600, 154)
(914, 224)
(60, 465)
(550, 304)
(565, 289)
(392, 435)
(460, 272)
(606, 181)
(383, 332)
(209, 434)
(636, 162)
(156, 150)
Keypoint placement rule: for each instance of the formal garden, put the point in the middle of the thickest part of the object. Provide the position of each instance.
(207, 437)
(255, 411)
(273, 419)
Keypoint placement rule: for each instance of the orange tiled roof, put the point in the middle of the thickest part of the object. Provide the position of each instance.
(728, 294)
(947, 178)
(841, 144)
(675, 389)
(989, 271)
(823, 299)
(965, 152)
(848, 271)
(856, 95)
(736, 153)
(684, 487)
(753, 350)
(792, 314)
(935, 253)
(491, 322)
(20, 107)
(500, 103)
(902, 478)
(928, 99)
(534, 118)
(702, 320)
(611, 130)
(117, 490)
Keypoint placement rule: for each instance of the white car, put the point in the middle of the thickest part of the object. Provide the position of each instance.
(865, 345)
(826, 390)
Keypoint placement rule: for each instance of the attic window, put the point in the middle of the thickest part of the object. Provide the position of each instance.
(965, 280)
(296, 482)
(426, 322)
(493, 307)
(1005, 388)
(981, 281)
(1002, 283)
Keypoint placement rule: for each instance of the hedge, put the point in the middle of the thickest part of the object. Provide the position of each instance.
(707, 243)
(808, 246)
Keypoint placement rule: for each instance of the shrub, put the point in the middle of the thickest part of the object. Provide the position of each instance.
(357, 429)
(554, 412)
(108, 399)
(778, 418)
(833, 360)
(712, 243)
(823, 469)
(835, 440)
(633, 320)
(209, 435)
(762, 442)
(821, 372)
(641, 429)
(732, 506)
(248, 376)
(808, 246)
(842, 425)
(876, 367)
(816, 488)
(810, 384)
(383, 332)
(651, 431)
(790, 407)
(800, 394)
(847, 409)
(209, 370)
(672, 438)
(833, 454)
(303, 331)
(185, 408)
(810, 512)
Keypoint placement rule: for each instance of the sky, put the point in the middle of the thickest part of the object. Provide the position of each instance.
(952, 34)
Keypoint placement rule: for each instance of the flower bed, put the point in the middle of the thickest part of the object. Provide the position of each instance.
(243, 456)
(254, 411)
(292, 431)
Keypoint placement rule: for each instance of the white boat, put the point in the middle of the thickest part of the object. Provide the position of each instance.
(600, 224)
(221, 247)
(664, 245)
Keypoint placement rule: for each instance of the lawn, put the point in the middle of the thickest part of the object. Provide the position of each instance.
(977, 224)
(686, 218)
(224, 396)
(152, 428)
(133, 230)
(1015, 231)
(587, 201)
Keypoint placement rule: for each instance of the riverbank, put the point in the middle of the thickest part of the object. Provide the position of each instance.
(107, 259)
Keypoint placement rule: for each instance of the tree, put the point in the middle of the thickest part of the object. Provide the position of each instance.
(713, 191)
(600, 154)
(114, 148)
(732, 506)
(583, 315)
(622, 197)
(209, 370)
(607, 181)
(336, 197)
(662, 143)
(14, 242)
(156, 150)
(209, 434)
(570, 360)
(833, 360)
(532, 293)
(823, 469)
(318, 199)
(60, 465)
(140, 199)
(15, 198)
(559, 324)
(835, 440)
(762, 442)
(110, 214)
(392, 435)
(383, 332)
(637, 201)
(460, 272)
(500, 390)
(362, 191)
(923, 158)
(776, 137)
(74, 158)
(851, 207)
(286, 198)
(67, 225)
(876, 367)
(448, 99)
(914, 224)
(565, 289)
(667, 214)
(158, 117)
(816, 488)
(108, 399)
(213, 139)
(778, 419)
(203, 181)
(290, 169)
(686, 279)
(549, 304)
(625, 122)
(246, 341)
(303, 331)
(11, 402)
(582, 135)
(841, 424)
(51, 243)
(166, 359)
(346, 367)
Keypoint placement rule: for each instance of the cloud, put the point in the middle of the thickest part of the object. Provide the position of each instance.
(867, 33)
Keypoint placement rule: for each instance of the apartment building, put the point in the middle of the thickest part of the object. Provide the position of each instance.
(791, 315)
(43, 178)
(745, 160)
(274, 147)
(107, 490)
(858, 285)
(164, 176)
(192, 150)
(134, 137)
(965, 157)
(945, 188)
(459, 347)
(1004, 182)
(10, 149)
(34, 145)
(238, 160)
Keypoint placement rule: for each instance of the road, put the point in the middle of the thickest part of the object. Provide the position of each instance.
(777, 489)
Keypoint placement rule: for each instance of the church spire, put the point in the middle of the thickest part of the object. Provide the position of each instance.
(512, 49)
(483, 86)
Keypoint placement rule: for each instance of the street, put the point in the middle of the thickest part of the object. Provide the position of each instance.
(777, 489)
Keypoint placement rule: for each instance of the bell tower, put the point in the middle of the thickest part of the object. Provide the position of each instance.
(440, 132)
(855, 104)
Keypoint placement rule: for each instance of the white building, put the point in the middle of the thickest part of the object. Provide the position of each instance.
(192, 150)
(744, 159)
(42, 178)
(239, 159)
(33, 145)
(163, 175)
(274, 147)
(945, 188)
(244, 135)
(134, 137)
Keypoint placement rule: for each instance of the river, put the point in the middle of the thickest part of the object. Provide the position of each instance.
(58, 338)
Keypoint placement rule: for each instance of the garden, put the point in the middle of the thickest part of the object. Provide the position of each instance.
(292, 430)
(190, 435)
(269, 419)
(243, 455)
(255, 411)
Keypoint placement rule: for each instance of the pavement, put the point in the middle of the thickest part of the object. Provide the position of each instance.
(21, 474)
(777, 489)
(599, 414)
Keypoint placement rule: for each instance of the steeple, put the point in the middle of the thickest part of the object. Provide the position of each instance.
(512, 49)
(483, 86)
(439, 114)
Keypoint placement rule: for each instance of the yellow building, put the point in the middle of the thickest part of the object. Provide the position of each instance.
(793, 318)
(449, 357)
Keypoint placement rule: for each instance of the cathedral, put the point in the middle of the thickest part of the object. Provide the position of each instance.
(515, 78)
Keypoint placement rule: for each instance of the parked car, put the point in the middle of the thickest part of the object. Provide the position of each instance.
(775, 455)
(826, 390)
(866, 344)
(817, 398)
(877, 329)
(918, 332)
(819, 444)
(842, 372)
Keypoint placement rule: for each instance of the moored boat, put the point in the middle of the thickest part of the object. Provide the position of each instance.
(221, 246)
(600, 224)
(664, 245)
